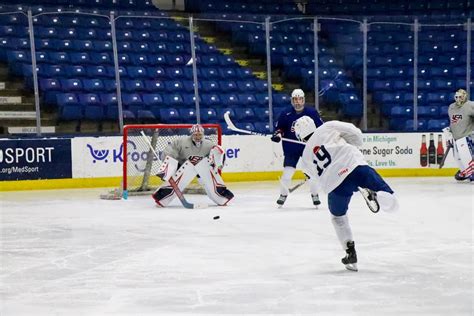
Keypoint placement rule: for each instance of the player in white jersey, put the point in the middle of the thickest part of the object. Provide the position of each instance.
(459, 134)
(188, 157)
(331, 158)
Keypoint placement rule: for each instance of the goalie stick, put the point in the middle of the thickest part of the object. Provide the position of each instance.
(234, 128)
(445, 155)
(173, 183)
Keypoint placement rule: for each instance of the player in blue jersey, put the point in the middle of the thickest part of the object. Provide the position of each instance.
(292, 151)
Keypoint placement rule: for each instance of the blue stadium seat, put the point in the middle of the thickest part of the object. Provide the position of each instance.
(262, 127)
(152, 99)
(173, 100)
(188, 115)
(246, 126)
(208, 115)
(174, 86)
(230, 100)
(189, 100)
(132, 85)
(281, 99)
(261, 99)
(75, 71)
(351, 105)
(71, 84)
(49, 84)
(401, 111)
(262, 114)
(210, 100)
(188, 86)
(437, 124)
(93, 85)
(245, 114)
(137, 72)
(228, 86)
(69, 106)
(130, 99)
(210, 86)
(154, 85)
(169, 115)
(93, 109)
(247, 99)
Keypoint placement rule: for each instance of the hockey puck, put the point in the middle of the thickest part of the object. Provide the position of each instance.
(216, 217)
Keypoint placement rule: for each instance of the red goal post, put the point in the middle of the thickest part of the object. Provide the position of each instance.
(140, 165)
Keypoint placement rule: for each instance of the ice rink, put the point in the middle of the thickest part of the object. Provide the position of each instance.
(66, 252)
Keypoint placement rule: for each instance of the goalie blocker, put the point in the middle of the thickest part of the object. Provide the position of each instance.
(207, 170)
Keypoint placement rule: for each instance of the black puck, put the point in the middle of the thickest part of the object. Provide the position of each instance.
(216, 217)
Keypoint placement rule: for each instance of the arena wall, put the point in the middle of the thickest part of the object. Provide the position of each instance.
(53, 163)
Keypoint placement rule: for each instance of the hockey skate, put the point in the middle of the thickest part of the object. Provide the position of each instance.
(281, 200)
(350, 260)
(370, 198)
(316, 200)
(459, 176)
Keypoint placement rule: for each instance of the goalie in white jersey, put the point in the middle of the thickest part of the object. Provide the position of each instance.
(331, 158)
(188, 157)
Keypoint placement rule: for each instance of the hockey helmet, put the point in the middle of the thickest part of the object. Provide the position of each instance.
(297, 99)
(304, 127)
(460, 97)
(197, 133)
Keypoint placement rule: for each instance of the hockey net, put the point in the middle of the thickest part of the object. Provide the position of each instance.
(140, 164)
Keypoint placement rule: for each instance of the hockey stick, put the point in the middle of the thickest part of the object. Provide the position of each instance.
(234, 128)
(446, 152)
(173, 183)
(296, 186)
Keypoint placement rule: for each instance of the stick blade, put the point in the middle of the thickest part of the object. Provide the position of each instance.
(200, 205)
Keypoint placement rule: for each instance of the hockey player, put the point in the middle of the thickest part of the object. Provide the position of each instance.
(459, 134)
(332, 158)
(291, 151)
(188, 157)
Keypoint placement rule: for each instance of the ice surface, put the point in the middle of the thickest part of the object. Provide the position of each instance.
(66, 252)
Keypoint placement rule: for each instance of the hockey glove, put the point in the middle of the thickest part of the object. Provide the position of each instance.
(276, 137)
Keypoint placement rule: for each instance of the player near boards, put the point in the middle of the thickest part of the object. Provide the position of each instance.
(332, 159)
(190, 156)
(291, 151)
(459, 134)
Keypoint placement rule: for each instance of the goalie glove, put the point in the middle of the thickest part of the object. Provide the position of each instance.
(276, 137)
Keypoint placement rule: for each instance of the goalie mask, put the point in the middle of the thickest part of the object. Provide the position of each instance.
(460, 97)
(297, 100)
(304, 128)
(197, 134)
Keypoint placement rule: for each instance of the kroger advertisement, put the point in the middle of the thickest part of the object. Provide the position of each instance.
(33, 159)
(102, 156)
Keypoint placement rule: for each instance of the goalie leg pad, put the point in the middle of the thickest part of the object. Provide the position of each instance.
(213, 183)
(165, 194)
(217, 157)
(168, 168)
(463, 152)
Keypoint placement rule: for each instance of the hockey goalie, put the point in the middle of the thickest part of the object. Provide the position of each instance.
(188, 157)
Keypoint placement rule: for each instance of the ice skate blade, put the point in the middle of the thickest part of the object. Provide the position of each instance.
(351, 267)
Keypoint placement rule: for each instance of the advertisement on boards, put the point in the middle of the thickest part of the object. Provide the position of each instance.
(34, 159)
(415, 150)
(94, 157)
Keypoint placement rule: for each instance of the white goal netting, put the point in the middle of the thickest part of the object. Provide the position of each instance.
(140, 165)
